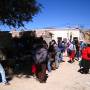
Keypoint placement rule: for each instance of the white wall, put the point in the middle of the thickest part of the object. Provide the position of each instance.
(64, 33)
(58, 33)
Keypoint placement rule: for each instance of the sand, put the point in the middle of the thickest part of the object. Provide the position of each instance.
(64, 78)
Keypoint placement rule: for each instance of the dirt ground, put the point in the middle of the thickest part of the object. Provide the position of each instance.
(64, 78)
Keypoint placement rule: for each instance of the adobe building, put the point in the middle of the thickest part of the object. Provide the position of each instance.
(63, 33)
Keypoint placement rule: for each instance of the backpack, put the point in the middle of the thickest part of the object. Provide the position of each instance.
(40, 55)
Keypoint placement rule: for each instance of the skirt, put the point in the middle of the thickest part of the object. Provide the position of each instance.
(85, 63)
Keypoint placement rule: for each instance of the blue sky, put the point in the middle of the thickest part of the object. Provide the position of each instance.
(61, 13)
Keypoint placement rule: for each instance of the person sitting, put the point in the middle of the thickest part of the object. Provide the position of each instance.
(85, 62)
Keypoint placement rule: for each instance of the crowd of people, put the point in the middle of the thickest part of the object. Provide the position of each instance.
(48, 57)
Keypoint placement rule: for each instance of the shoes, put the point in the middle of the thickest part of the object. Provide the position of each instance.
(76, 59)
(42, 81)
(62, 61)
(70, 61)
(79, 70)
(83, 71)
(7, 83)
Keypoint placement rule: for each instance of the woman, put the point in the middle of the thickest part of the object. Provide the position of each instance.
(40, 60)
(72, 52)
(85, 62)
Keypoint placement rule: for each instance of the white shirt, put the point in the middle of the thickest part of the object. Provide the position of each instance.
(72, 47)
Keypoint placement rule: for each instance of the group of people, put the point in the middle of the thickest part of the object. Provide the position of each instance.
(80, 51)
(48, 57)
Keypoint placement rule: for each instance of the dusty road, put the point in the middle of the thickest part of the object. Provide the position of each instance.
(64, 78)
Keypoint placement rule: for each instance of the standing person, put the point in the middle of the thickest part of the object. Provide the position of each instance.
(82, 46)
(51, 56)
(45, 47)
(85, 62)
(68, 50)
(62, 50)
(41, 56)
(77, 50)
(58, 56)
(2, 72)
(40, 60)
(72, 50)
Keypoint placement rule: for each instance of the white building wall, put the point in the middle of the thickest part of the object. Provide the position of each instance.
(64, 33)
(58, 33)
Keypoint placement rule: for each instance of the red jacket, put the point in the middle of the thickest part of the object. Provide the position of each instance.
(86, 53)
